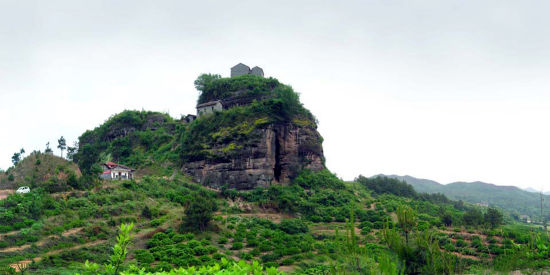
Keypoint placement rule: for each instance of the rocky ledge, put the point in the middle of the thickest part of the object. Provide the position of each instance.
(277, 154)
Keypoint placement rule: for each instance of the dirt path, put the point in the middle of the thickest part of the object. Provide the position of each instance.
(330, 228)
(467, 256)
(5, 193)
(8, 234)
(274, 217)
(24, 263)
(39, 243)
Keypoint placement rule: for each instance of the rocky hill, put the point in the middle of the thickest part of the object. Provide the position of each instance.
(266, 141)
(262, 136)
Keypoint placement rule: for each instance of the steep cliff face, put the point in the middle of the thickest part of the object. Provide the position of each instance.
(266, 140)
(274, 154)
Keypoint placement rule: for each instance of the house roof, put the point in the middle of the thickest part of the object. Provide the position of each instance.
(209, 103)
(112, 165)
(240, 65)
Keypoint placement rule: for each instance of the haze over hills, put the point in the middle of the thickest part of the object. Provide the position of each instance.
(511, 198)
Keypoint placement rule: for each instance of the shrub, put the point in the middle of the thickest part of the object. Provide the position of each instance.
(199, 212)
(222, 240)
(237, 246)
(293, 226)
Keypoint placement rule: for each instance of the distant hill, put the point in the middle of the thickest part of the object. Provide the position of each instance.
(510, 198)
(40, 170)
(533, 190)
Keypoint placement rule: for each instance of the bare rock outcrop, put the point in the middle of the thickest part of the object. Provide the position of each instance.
(275, 155)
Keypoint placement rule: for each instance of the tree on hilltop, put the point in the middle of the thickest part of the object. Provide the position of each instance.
(62, 144)
(71, 151)
(16, 158)
(204, 79)
(48, 149)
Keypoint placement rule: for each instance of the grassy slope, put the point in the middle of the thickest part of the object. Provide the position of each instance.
(37, 168)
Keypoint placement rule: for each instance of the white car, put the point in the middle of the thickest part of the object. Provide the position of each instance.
(23, 190)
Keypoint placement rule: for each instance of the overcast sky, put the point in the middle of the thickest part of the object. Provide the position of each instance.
(445, 90)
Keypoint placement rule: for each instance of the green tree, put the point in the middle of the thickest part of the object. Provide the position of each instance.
(493, 217)
(406, 219)
(204, 80)
(61, 144)
(199, 212)
(473, 217)
(447, 218)
(71, 151)
(16, 158)
(48, 149)
(88, 157)
(120, 251)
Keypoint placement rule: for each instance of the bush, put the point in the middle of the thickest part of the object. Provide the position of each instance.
(237, 246)
(293, 226)
(199, 212)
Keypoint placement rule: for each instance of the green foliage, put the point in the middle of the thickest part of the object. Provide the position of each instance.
(293, 226)
(473, 217)
(199, 212)
(22, 210)
(406, 218)
(493, 217)
(16, 158)
(222, 135)
(213, 87)
(318, 204)
(120, 251)
(135, 138)
(385, 185)
(322, 179)
(205, 80)
(224, 267)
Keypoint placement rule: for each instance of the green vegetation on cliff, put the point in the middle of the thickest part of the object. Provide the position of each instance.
(213, 87)
(139, 139)
(235, 127)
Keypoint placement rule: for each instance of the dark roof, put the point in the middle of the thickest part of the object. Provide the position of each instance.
(240, 65)
(112, 165)
(209, 103)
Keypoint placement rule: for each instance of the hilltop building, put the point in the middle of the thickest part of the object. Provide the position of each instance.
(238, 99)
(209, 107)
(112, 171)
(241, 69)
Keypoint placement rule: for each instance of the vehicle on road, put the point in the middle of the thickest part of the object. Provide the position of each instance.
(23, 190)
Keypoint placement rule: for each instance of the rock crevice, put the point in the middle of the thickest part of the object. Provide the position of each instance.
(277, 154)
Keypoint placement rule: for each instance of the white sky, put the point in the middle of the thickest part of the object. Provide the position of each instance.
(445, 90)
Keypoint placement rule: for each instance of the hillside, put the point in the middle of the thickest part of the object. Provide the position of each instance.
(242, 189)
(41, 170)
(510, 198)
(144, 140)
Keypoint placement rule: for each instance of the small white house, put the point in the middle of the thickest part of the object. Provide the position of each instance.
(209, 107)
(112, 171)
